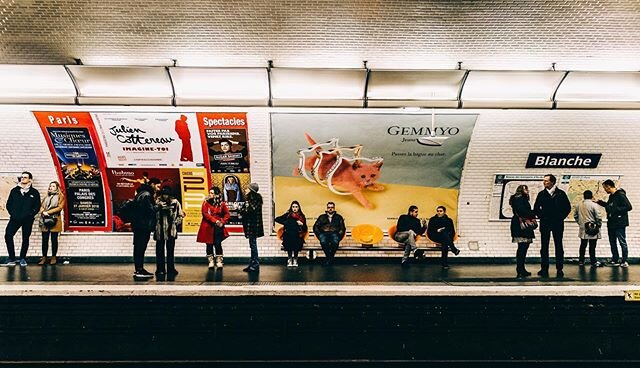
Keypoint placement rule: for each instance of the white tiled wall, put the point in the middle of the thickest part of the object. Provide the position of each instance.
(501, 142)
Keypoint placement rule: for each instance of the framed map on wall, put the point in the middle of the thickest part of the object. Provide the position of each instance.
(504, 185)
(8, 180)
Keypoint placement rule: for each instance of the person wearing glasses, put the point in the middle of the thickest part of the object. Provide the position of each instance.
(329, 228)
(23, 205)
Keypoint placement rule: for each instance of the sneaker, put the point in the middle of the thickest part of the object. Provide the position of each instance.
(612, 264)
(597, 264)
(290, 262)
(23, 262)
(405, 263)
(295, 262)
(142, 274)
(581, 263)
(445, 267)
(624, 264)
(456, 251)
(9, 262)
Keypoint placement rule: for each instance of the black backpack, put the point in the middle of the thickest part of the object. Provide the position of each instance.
(128, 210)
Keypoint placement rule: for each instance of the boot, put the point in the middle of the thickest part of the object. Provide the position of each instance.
(42, 261)
(210, 259)
(53, 261)
(219, 261)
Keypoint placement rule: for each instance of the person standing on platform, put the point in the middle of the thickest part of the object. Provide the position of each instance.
(329, 228)
(441, 230)
(521, 208)
(212, 231)
(589, 222)
(408, 228)
(51, 222)
(142, 224)
(552, 206)
(23, 205)
(617, 207)
(294, 230)
(252, 224)
(168, 219)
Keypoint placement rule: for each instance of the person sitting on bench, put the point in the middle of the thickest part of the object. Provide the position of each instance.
(408, 227)
(329, 228)
(441, 230)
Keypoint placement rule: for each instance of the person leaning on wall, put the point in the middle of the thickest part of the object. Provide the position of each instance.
(23, 205)
(50, 221)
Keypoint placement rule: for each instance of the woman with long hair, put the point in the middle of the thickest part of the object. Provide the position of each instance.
(168, 219)
(51, 222)
(212, 230)
(521, 207)
(295, 227)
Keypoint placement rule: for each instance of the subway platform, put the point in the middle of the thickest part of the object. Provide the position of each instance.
(355, 312)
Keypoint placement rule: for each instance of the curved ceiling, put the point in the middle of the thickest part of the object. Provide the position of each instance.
(398, 34)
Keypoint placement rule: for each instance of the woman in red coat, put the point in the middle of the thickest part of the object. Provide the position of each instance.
(212, 231)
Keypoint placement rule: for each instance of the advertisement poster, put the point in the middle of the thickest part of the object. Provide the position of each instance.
(505, 186)
(8, 181)
(373, 166)
(225, 141)
(149, 139)
(78, 158)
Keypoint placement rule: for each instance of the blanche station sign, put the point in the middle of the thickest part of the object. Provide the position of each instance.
(563, 160)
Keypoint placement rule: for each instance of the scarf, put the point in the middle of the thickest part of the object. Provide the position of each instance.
(51, 201)
(24, 188)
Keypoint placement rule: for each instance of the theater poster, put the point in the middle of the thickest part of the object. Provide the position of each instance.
(225, 141)
(373, 166)
(141, 146)
(79, 162)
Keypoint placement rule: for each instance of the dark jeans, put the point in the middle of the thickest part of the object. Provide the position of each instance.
(253, 245)
(217, 244)
(447, 245)
(45, 243)
(592, 250)
(160, 248)
(12, 228)
(545, 236)
(521, 254)
(140, 242)
(619, 235)
(330, 243)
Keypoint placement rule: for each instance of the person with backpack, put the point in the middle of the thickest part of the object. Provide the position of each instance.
(617, 207)
(589, 221)
(142, 224)
(168, 217)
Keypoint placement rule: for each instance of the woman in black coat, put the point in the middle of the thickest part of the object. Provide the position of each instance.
(295, 227)
(524, 237)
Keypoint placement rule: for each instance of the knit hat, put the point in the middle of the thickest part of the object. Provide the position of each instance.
(254, 187)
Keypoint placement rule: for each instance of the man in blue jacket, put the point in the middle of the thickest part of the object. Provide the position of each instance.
(23, 205)
(552, 207)
(617, 207)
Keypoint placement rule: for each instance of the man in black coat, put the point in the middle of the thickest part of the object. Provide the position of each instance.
(442, 231)
(552, 207)
(143, 223)
(329, 228)
(617, 207)
(407, 229)
(23, 205)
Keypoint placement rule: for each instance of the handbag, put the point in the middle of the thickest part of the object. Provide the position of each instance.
(528, 223)
(49, 221)
(591, 228)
